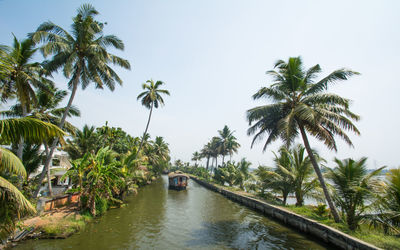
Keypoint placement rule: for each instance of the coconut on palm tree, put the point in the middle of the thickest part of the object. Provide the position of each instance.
(82, 55)
(151, 98)
(300, 105)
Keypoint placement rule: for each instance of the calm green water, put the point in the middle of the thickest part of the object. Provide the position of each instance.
(158, 218)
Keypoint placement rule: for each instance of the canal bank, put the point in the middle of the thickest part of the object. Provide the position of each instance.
(159, 218)
(305, 225)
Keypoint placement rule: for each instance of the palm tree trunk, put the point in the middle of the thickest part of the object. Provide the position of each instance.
(208, 159)
(145, 131)
(319, 174)
(223, 158)
(46, 147)
(20, 149)
(61, 125)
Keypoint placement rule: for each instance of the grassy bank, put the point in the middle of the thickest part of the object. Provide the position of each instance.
(364, 232)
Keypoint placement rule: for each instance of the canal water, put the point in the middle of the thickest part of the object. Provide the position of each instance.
(197, 218)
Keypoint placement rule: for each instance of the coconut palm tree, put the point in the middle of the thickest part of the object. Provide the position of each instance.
(227, 142)
(82, 55)
(232, 146)
(83, 141)
(354, 186)
(206, 152)
(301, 173)
(243, 173)
(300, 105)
(151, 98)
(195, 157)
(216, 149)
(24, 77)
(13, 203)
(160, 148)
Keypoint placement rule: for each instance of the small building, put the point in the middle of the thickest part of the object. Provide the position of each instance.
(178, 180)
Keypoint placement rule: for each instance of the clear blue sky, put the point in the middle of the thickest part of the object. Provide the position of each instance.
(213, 54)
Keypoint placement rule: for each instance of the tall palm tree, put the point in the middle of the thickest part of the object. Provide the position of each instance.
(302, 105)
(354, 186)
(232, 146)
(215, 148)
(82, 55)
(24, 77)
(206, 152)
(151, 98)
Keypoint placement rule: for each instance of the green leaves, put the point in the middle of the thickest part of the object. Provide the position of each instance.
(32, 130)
(296, 100)
(152, 94)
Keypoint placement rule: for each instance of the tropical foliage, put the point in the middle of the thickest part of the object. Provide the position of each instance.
(355, 189)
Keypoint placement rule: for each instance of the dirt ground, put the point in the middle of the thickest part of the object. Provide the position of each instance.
(50, 216)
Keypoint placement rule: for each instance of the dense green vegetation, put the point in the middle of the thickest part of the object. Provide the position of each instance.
(106, 162)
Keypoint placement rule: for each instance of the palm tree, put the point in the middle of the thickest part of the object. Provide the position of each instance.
(13, 202)
(215, 148)
(301, 173)
(232, 146)
(227, 142)
(300, 104)
(82, 55)
(388, 206)
(206, 152)
(46, 109)
(151, 98)
(195, 157)
(243, 173)
(353, 187)
(83, 141)
(24, 77)
(160, 148)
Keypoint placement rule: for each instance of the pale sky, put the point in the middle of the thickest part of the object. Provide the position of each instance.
(213, 55)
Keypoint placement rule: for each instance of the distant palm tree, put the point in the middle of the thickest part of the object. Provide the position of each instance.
(206, 152)
(300, 104)
(82, 55)
(151, 98)
(195, 157)
(215, 148)
(227, 143)
(354, 187)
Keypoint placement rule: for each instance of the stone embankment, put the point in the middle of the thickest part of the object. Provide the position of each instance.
(325, 233)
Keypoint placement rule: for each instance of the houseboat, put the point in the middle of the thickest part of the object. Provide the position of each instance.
(178, 180)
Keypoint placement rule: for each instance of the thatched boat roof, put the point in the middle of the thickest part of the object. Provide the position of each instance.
(177, 174)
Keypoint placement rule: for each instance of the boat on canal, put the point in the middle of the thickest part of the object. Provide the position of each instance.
(178, 180)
